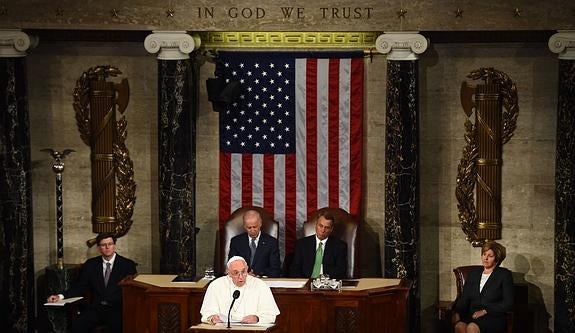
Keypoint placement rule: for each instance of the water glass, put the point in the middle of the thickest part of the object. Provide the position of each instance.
(209, 273)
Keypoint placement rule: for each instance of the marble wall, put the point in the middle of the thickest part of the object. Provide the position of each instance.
(528, 166)
(528, 169)
(53, 69)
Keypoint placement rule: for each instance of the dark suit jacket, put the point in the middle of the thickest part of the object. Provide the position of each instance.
(267, 257)
(91, 280)
(334, 258)
(496, 296)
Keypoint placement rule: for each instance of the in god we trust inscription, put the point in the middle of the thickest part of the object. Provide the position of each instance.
(286, 12)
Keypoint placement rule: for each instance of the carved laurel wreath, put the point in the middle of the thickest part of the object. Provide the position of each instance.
(467, 170)
(123, 165)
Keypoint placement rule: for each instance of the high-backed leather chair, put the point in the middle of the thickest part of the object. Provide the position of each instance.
(235, 226)
(346, 229)
(461, 274)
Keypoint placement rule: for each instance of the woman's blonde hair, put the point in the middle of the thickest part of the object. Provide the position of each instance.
(498, 251)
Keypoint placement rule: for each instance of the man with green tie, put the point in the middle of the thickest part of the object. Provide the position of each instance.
(320, 254)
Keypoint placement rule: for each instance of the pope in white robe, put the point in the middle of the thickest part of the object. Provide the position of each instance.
(255, 303)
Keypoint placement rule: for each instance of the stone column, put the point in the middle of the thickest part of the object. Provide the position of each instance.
(16, 229)
(563, 43)
(402, 160)
(176, 150)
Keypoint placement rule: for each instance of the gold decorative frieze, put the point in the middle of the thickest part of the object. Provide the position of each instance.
(279, 39)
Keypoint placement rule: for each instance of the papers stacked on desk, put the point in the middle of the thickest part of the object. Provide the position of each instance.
(291, 283)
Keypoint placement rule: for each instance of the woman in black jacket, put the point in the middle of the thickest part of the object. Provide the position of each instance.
(487, 295)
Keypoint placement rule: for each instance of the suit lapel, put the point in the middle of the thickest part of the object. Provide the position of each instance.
(309, 259)
(260, 248)
(246, 250)
(489, 281)
(327, 249)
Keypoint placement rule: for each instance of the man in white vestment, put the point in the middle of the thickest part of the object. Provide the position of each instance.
(255, 303)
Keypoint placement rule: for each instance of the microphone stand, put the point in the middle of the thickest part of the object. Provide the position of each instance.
(236, 295)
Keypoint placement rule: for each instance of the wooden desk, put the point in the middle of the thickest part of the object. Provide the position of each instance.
(154, 304)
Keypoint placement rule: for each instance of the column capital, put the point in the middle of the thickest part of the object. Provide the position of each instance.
(171, 45)
(563, 42)
(14, 43)
(403, 45)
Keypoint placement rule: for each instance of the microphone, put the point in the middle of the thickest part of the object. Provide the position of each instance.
(236, 295)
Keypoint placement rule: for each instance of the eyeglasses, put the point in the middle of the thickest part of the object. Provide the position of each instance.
(236, 274)
(106, 244)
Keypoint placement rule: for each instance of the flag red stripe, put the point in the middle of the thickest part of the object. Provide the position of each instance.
(225, 187)
(356, 128)
(311, 136)
(290, 202)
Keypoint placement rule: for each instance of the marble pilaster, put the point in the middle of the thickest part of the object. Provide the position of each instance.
(176, 150)
(563, 43)
(16, 224)
(402, 160)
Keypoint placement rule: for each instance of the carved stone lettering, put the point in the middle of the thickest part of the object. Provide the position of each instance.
(348, 13)
(247, 13)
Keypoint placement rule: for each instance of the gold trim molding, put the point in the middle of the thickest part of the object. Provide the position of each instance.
(286, 39)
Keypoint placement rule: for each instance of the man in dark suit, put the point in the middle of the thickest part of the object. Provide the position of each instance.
(320, 254)
(100, 276)
(260, 250)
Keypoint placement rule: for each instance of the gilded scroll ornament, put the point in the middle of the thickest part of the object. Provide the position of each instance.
(113, 187)
(481, 161)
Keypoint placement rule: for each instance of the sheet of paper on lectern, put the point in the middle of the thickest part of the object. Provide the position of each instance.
(285, 283)
(64, 301)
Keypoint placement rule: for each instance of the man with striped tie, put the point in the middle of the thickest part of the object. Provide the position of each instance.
(260, 250)
(320, 254)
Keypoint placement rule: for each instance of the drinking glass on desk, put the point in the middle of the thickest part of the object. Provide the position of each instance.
(209, 273)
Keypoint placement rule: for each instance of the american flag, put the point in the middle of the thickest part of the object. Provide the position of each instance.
(292, 143)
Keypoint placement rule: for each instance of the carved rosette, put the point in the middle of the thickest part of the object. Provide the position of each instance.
(401, 45)
(171, 45)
